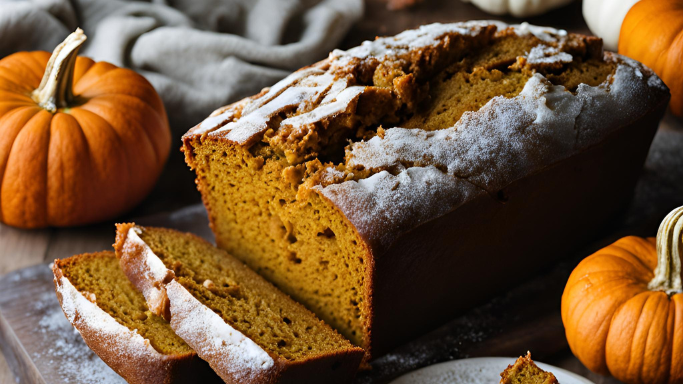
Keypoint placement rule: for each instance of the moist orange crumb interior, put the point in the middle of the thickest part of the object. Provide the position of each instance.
(100, 275)
(259, 199)
(242, 298)
(525, 371)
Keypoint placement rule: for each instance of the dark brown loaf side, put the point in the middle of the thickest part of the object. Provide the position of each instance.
(114, 322)
(396, 184)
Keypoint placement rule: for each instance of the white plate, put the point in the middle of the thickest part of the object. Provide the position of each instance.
(480, 370)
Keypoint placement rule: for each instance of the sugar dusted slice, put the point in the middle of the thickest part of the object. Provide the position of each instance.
(115, 322)
(244, 327)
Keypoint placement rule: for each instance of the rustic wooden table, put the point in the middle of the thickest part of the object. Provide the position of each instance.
(176, 189)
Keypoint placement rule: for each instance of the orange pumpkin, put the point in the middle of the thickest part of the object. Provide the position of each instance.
(84, 144)
(652, 33)
(622, 307)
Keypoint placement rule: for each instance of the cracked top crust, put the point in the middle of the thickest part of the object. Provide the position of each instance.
(550, 95)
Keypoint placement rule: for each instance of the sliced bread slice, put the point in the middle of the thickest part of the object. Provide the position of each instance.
(247, 329)
(115, 322)
(525, 371)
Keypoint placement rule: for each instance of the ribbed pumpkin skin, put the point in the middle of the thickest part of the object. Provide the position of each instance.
(82, 164)
(615, 325)
(652, 33)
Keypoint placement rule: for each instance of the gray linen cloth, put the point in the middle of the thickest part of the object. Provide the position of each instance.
(198, 54)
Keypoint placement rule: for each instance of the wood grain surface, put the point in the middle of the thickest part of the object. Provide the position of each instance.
(659, 190)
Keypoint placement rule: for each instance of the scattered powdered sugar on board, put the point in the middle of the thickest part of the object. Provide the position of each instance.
(68, 354)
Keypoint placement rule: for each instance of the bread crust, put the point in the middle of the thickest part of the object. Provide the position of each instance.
(126, 352)
(185, 312)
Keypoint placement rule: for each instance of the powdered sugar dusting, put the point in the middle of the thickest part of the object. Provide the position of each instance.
(216, 121)
(626, 99)
(486, 150)
(544, 54)
(339, 105)
(504, 141)
(83, 313)
(546, 34)
(395, 203)
(280, 86)
(424, 36)
(112, 336)
(155, 267)
(75, 361)
(432, 34)
(255, 122)
(229, 352)
(336, 88)
(509, 138)
(153, 270)
(330, 175)
(310, 85)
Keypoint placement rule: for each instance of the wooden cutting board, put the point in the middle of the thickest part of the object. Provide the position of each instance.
(41, 346)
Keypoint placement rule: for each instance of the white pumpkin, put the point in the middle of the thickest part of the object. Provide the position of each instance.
(604, 18)
(518, 8)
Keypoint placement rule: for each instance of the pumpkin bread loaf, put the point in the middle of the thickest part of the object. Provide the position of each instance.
(115, 322)
(525, 371)
(411, 165)
(244, 327)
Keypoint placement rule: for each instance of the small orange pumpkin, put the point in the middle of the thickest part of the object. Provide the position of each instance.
(652, 33)
(622, 307)
(84, 144)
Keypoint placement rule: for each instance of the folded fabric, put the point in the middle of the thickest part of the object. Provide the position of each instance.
(199, 55)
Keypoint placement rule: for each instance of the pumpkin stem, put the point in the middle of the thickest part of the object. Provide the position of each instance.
(55, 90)
(669, 249)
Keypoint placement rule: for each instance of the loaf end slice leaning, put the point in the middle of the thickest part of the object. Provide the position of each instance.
(114, 321)
(244, 327)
